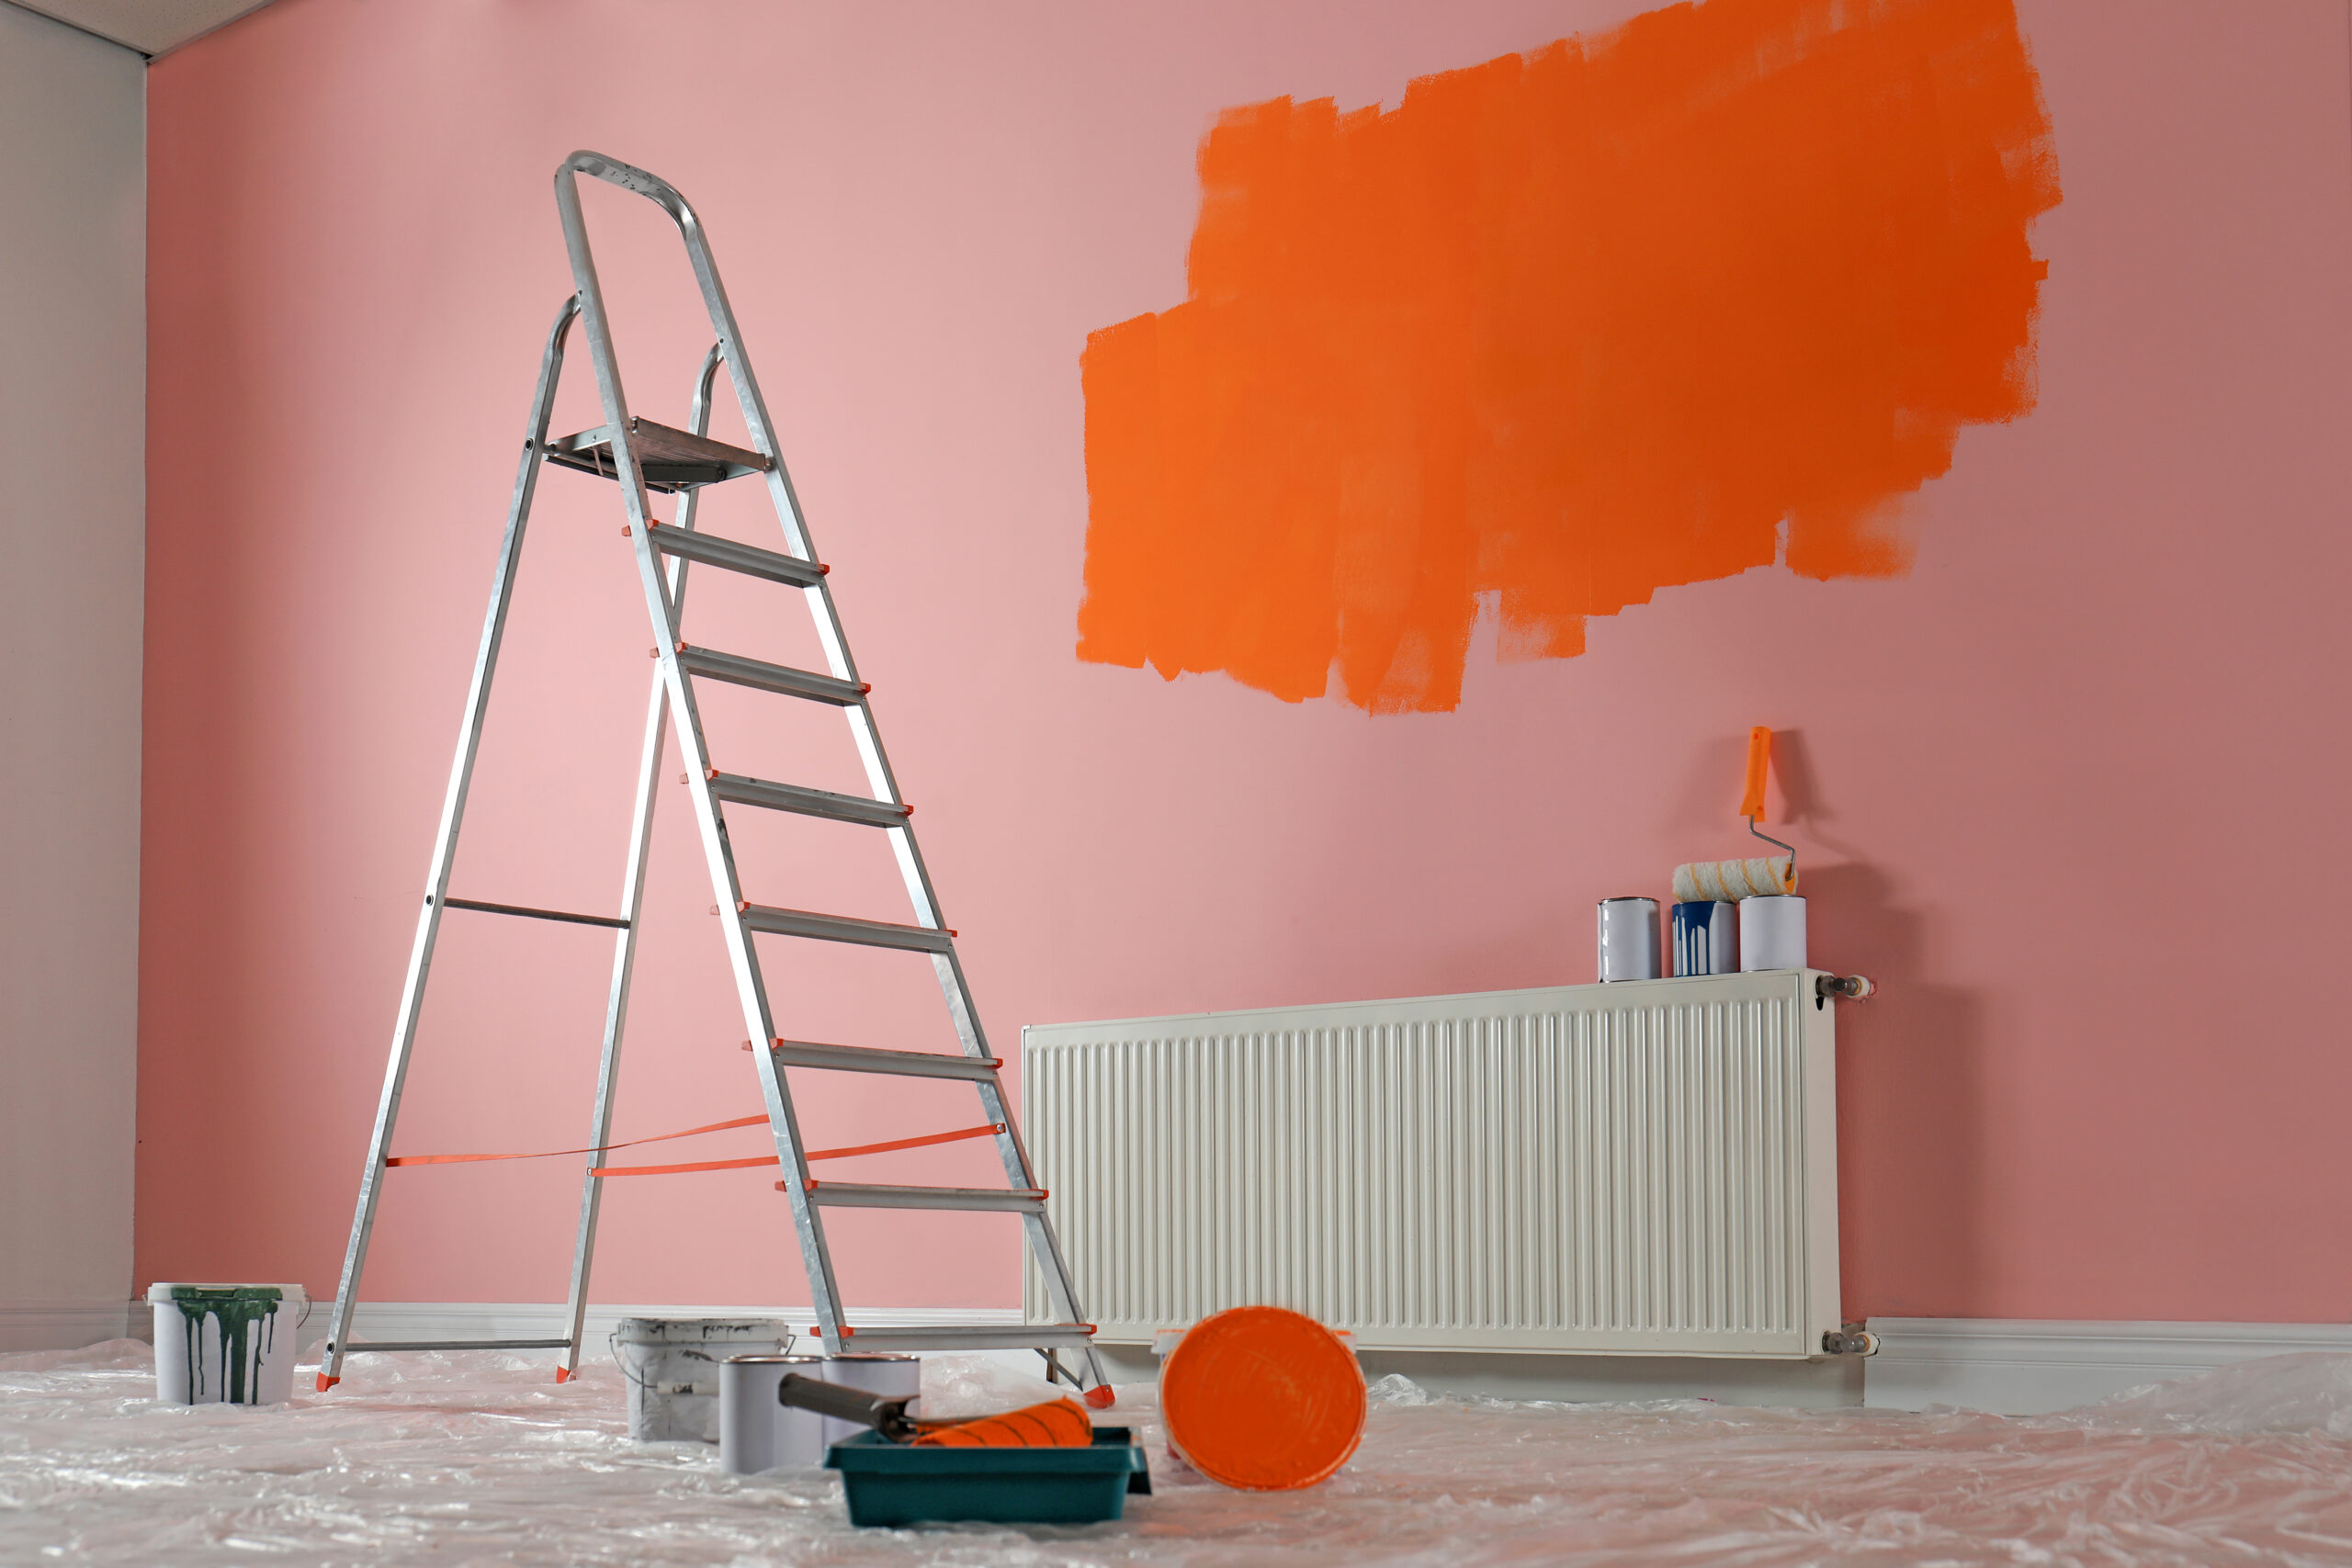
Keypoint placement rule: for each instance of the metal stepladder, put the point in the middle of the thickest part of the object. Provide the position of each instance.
(642, 456)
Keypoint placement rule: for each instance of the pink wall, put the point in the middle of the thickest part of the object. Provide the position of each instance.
(2071, 791)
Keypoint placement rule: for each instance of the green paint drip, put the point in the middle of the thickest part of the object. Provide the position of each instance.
(234, 1309)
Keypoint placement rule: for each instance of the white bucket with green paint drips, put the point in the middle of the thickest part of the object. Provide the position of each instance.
(225, 1344)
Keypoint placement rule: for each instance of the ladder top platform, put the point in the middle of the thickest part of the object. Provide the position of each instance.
(671, 461)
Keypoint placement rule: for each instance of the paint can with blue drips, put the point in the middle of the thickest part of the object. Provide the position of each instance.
(1706, 937)
(225, 1344)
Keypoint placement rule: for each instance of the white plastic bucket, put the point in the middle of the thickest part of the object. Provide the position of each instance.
(671, 1365)
(225, 1344)
(755, 1432)
(887, 1376)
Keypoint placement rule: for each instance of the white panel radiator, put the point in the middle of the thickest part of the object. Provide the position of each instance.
(1642, 1168)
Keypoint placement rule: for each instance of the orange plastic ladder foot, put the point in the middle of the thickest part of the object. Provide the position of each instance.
(1101, 1396)
(563, 1374)
(326, 1383)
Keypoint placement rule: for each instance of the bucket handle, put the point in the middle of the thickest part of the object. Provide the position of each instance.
(612, 1348)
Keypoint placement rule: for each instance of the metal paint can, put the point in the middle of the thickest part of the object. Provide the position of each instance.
(1628, 939)
(1771, 933)
(889, 1377)
(1706, 937)
(755, 1433)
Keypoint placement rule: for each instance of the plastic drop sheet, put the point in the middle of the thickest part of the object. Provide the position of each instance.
(479, 1458)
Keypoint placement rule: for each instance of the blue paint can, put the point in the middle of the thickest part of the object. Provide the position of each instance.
(1706, 937)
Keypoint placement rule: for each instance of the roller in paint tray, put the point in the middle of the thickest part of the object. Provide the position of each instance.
(1041, 1464)
(1756, 877)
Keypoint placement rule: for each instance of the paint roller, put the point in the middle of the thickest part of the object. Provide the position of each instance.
(1755, 877)
(1057, 1423)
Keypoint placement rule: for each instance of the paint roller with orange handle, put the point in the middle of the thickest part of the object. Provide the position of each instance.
(1755, 877)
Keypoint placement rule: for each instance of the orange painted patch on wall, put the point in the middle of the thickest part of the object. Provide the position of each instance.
(1711, 291)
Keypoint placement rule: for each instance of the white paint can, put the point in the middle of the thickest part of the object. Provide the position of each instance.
(1628, 939)
(225, 1344)
(1771, 933)
(755, 1432)
(883, 1376)
(671, 1365)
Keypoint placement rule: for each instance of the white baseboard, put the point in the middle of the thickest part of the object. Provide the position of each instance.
(485, 1320)
(2008, 1366)
(2026, 1367)
(64, 1325)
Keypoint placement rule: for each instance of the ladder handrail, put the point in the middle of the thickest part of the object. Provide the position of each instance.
(628, 176)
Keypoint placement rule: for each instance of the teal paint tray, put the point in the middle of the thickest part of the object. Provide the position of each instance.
(891, 1483)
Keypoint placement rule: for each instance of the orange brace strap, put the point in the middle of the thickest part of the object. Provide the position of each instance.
(988, 1131)
(595, 1149)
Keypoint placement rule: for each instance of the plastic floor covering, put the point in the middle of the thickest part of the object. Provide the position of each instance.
(482, 1459)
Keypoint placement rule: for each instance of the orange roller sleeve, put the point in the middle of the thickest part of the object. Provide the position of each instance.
(1759, 755)
(1057, 1423)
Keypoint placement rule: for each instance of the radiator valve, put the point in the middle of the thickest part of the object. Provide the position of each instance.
(1852, 987)
(1853, 1339)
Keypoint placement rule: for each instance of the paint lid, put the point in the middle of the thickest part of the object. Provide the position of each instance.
(164, 1292)
(775, 1360)
(747, 1331)
(1263, 1398)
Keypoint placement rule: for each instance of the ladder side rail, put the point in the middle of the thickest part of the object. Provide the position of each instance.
(648, 774)
(865, 733)
(445, 843)
(752, 992)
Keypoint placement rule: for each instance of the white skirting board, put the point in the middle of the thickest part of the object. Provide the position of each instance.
(476, 1320)
(64, 1325)
(2008, 1366)
(2028, 1367)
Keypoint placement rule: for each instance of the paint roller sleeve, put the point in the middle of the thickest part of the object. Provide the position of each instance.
(1734, 879)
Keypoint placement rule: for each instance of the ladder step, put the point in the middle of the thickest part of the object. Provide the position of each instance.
(669, 460)
(531, 914)
(862, 1195)
(971, 1336)
(742, 791)
(358, 1346)
(867, 1059)
(842, 927)
(730, 556)
(771, 677)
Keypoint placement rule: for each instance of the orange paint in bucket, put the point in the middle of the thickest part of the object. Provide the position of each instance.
(1263, 1398)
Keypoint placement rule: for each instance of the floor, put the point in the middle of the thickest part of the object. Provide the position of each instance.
(481, 1459)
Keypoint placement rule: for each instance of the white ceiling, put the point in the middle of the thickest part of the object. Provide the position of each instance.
(150, 26)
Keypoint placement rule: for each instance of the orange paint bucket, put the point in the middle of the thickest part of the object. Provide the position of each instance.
(1263, 1398)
